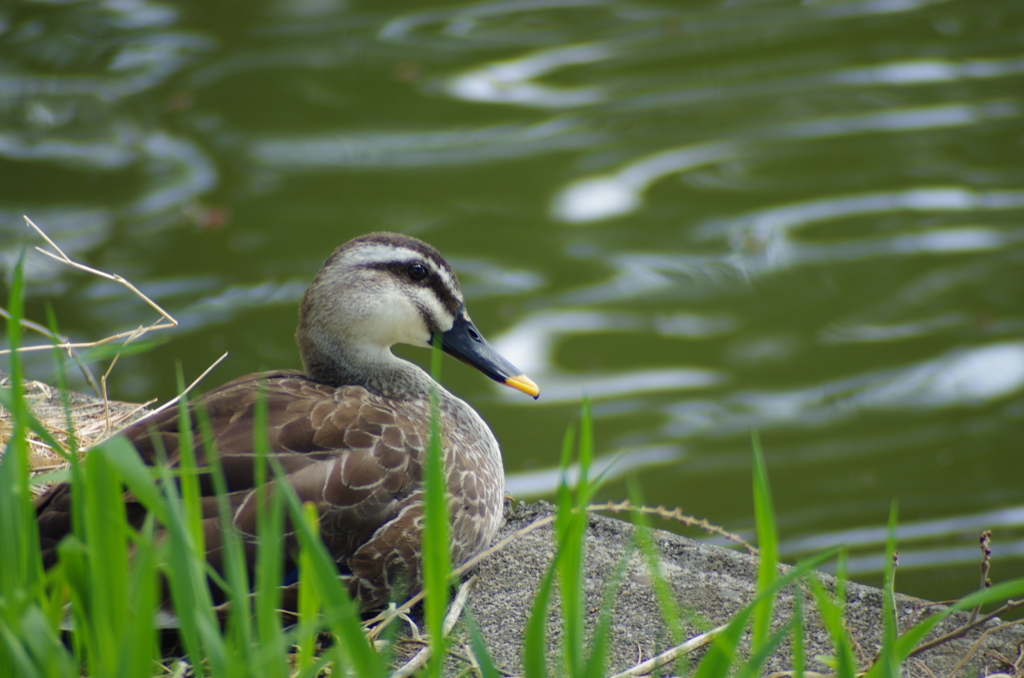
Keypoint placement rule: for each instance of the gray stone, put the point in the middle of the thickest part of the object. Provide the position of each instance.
(709, 582)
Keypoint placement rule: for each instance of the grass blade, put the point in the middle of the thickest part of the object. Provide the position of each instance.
(105, 598)
(309, 598)
(666, 599)
(21, 567)
(341, 614)
(767, 542)
(269, 560)
(571, 527)
(535, 645)
(797, 646)
(189, 472)
(479, 648)
(752, 667)
(184, 565)
(887, 662)
(236, 575)
(830, 610)
(139, 646)
(434, 541)
(29, 640)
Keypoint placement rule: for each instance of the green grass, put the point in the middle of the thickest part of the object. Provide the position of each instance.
(113, 597)
(436, 563)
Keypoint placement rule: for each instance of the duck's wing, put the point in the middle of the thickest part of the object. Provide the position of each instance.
(355, 456)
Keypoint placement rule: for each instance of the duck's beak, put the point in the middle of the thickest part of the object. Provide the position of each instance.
(465, 342)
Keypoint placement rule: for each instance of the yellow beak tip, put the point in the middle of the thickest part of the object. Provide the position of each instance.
(525, 384)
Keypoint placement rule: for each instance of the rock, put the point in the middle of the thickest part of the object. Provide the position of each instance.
(710, 584)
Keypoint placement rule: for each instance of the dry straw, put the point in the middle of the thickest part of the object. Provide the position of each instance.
(75, 420)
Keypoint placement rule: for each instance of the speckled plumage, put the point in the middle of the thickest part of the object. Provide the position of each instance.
(353, 440)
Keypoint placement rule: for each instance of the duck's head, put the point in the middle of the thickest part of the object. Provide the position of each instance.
(382, 289)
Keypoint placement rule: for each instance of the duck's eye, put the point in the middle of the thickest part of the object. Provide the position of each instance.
(417, 271)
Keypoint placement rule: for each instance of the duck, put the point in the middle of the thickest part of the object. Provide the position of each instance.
(351, 429)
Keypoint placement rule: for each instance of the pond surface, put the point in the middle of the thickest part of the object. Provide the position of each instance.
(804, 218)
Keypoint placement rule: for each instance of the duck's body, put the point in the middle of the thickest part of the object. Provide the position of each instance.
(351, 431)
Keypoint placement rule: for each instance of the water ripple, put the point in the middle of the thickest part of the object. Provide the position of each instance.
(427, 148)
(617, 193)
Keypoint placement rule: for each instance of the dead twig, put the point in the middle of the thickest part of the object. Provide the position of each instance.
(90, 424)
(891, 592)
(56, 339)
(985, 543)
(977, 645)
(699, 641)
(65, 259)
(454, 612)
(191, 386)
(63, 343)
(676, 515)
(966, 628)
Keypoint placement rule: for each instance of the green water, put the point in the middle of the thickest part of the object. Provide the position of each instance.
(710, 217)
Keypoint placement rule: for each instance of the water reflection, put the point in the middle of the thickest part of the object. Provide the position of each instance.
(464, 20)
(511, 82)
(913, 537)
(909, 532)
(621, 192)
(967, 377)
(916, 558)
(68, 72)
(481, 278)
(181, 170)
(100, 154)
(895, 73)
(127, 47)
(533, 484)
(428, 148)
(776, 222)
(650, 275)
(613, 195)
(224, 305)
(961, 378)
(530, 345)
